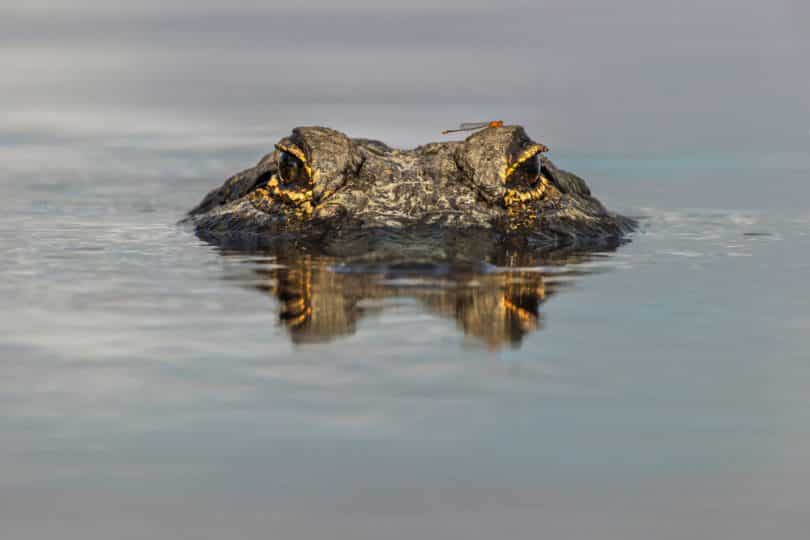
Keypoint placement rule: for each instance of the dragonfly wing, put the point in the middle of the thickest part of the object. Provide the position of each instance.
(473, 125)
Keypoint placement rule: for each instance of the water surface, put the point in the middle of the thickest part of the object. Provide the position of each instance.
(155, 386)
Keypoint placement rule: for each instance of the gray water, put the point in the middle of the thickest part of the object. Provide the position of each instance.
(154, 386)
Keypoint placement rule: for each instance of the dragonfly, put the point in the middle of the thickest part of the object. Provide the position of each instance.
(473, 126)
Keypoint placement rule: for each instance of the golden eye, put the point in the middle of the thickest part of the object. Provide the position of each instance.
(291, 170)
(526, 174)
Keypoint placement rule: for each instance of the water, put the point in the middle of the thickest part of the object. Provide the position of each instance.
(154, 386)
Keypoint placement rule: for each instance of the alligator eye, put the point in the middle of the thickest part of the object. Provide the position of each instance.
(291, 170)
(526, 174)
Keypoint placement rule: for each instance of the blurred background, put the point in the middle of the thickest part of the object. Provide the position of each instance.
(627, 77)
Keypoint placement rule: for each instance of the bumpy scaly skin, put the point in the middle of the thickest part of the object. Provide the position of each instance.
(361, 195)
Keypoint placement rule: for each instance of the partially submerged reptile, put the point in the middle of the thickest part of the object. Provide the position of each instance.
(321, 188)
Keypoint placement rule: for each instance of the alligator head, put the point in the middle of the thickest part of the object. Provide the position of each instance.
(323, 188)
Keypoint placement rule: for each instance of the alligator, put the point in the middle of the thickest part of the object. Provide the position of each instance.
(340, 195)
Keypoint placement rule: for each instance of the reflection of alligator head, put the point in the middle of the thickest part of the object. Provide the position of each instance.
(324, 189)
(319, 301)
